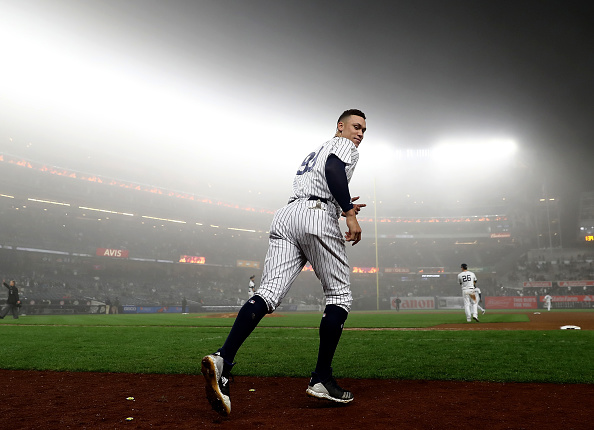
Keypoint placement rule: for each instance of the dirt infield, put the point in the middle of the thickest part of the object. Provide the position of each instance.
(539, 320)
(67, 400)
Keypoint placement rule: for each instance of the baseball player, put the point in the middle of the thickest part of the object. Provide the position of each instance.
(479, 298)
(251, 287)
(467, 280)
(306, 229)
(548, 299)
(13, 303)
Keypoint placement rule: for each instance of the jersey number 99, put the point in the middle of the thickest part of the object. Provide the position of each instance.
(309, 162)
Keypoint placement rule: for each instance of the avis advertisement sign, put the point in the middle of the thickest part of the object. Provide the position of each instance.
(414, 303)
(510, 302)
(108, 252)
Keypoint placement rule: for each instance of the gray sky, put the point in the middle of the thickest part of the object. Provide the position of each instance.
(225, 98)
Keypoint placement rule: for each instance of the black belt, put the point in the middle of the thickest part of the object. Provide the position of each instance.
(322, 199)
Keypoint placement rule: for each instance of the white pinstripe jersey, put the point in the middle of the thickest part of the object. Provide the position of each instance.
(305, 231)
(310, 179)
(467, 279)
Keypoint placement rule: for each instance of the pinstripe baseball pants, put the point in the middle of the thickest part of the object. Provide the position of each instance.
(470, 304)
(302, 231)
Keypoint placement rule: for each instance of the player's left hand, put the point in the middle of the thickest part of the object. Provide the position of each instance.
(357, 207)
(354, 233)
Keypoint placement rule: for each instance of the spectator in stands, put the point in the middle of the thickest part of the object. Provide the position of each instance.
(13, 303)
(107, 306)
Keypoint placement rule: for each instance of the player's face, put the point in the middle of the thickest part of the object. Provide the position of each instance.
(353, 128)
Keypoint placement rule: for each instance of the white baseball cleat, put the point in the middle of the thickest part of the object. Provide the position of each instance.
(217, 385)
(328, 390)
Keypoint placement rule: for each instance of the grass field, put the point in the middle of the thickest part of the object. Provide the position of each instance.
(287, 346)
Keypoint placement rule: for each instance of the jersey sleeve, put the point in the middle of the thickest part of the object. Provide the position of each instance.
(338, 182)
(343, 149)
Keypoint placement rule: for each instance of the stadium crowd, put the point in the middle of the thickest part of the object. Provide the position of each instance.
(50, 247)
(571, 266)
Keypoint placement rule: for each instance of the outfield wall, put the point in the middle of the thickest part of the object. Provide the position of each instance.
(511, 302)
(409, 303)
(494, 302)
(127, 309)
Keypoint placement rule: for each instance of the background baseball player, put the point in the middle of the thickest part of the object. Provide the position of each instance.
(479, 298)
(306, 229)
(467, 280)
(547, 299)
(13, 302)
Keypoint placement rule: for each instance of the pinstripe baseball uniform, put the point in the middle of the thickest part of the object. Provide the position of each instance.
(547, 299)
(467, 280)
(479, 296)
(307, 229)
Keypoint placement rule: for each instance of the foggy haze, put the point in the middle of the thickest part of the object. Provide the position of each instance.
(224, 99)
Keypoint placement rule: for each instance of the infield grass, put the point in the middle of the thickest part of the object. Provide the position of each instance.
(287, 346)
(292, 319)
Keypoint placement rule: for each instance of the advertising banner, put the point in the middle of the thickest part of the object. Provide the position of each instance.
(192, 259)
(450, 302)
(151, 309)
(510, 302)
(576, 283)
(538, 284)
(414, 302)
(431, 270)
(396, 270)
(365, 269)
(107, 252)
(587, 298)
(248, 264)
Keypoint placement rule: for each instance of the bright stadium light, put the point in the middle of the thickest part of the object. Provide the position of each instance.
(88, 86)
(474, 149)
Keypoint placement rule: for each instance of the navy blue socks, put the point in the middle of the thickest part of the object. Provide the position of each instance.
(247, 319)
(330, 332)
